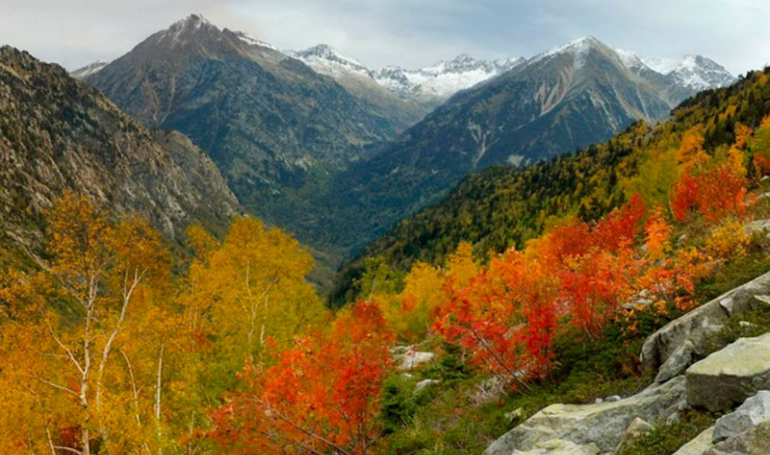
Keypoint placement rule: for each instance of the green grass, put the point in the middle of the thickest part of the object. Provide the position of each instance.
(746, 325)
(734, 273)
(667, 439)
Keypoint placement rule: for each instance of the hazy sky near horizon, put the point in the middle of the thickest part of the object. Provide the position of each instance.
(408, 33)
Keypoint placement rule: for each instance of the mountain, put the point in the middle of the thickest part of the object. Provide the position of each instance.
(425, 88)
(435, 84)
(681, 75)
(360, 81)
(569, 97)
(58, 133)
(276, 128)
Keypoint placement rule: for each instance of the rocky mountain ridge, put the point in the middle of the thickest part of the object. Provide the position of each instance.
(59, 134)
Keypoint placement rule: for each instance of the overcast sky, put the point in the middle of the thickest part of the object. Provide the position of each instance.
(410, 33)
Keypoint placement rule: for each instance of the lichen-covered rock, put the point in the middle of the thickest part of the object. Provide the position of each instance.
(756, 441)
(637, 427)
(699, 445)
(728, 377)
(677, 363)
(696, 325)
(559, 447)
(603, 424)
(425, 383)
(751, 413)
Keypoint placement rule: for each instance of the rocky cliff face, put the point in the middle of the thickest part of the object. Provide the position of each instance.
(58, 133)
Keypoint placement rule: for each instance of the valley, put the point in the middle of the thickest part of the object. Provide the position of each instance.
(337, 153)
(212, 244)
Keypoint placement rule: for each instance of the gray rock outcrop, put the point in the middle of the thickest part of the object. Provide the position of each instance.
(751, 413)
(565, 429)
(664, 349)
(756, 441)
(728, 377)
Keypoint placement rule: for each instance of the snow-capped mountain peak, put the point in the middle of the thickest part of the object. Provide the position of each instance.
(185, 27)
(431, 84)
(692, 71)
(193, 21)
(445, 78)
(578, 49)
(324, 52)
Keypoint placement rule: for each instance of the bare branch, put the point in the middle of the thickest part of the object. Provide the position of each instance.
(60, 387)
(62, 345)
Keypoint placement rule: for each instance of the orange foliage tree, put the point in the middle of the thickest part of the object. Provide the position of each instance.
(320, 396)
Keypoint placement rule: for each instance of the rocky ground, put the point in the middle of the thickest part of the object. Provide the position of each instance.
(692, 374)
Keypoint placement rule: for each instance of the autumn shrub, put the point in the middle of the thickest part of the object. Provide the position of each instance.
(727, 241)
(321, 395)
(713, 194)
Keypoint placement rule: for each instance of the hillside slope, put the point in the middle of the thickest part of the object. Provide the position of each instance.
(504, 206)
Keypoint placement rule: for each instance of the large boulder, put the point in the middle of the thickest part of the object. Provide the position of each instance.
(602, 424)
(696, 325)
(728, 377)
(751, 413)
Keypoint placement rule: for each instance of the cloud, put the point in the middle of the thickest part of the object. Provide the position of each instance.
(409, 33)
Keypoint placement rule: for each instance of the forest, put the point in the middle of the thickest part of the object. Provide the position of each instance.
(112, 342)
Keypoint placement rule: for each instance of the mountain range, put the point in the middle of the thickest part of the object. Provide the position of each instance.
(560, 100)
(335, 152)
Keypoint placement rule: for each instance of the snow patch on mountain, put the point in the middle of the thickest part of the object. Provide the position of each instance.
(692, 71)
(186, 26)
(252, 41)
(579, 48)
(88, 70)
(326, 60)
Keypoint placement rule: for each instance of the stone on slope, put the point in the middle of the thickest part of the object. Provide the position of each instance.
(756, 441)
(603, 424)
(751, 413)
(699, 445)
(559, 447)
(678, 362)
(409, 358)
(636, 428)
(728, 377)
(696, 325)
